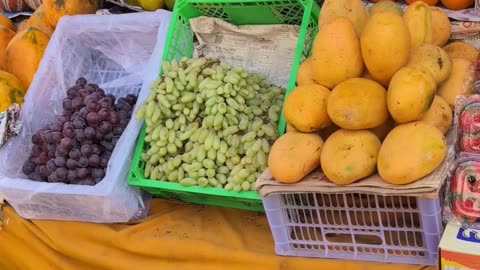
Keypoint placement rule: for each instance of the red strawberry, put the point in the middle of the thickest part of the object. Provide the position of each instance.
(475, 143)
(466, 121)
(468, 204)
(476, 119)
(457, 208)
(454, 183)
(465, 143)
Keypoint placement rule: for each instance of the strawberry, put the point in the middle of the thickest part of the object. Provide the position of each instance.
(454, 183)
(476, 119)
(465, 143)
(475, 143)
(468, 204)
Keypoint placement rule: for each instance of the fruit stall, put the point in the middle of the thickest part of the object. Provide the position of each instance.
(194, 134)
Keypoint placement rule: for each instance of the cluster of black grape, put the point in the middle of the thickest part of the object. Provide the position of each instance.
(76, 147)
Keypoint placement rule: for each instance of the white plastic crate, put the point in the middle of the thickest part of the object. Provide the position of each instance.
(391, 229)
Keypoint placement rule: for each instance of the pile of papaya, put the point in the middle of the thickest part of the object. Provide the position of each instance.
(376, 95)
(22, 47)
(450, 4)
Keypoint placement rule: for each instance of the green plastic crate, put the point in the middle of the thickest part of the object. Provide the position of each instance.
(180, 43)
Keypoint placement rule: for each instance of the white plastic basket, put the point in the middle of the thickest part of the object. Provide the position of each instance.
(391, 229)
(113, 52)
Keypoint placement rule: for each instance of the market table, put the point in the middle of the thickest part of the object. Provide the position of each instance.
(174, 236)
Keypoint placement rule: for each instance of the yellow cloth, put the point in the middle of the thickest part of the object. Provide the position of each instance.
(174, 236)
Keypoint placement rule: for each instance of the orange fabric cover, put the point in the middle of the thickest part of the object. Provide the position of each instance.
(174, 236)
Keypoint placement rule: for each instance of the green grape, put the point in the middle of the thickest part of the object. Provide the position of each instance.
(193, 174)
(209, 164)
(187, 182)
(235, 159)
(261, 158)
(202, 172)
(178, 143)
(229, 164)
(154, 173)
(223, 170)
(210, 172)
(253, 186)
(154, 159)
(250, 136)
(221, 178)
(148, 169)
(173, 176)
(245, 186)
(203, 136)
(216, 142)
(251, 178)
(171, 148)
(202, 181)
(180, 173)
(205, 120)
(213, 182)
(229, 186)
(212, 153)
(209, 142)
(177, 160)
(221, 158)
(195, 166)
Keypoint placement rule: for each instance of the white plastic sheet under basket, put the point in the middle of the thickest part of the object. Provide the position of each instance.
(391, 229)
(113, 52)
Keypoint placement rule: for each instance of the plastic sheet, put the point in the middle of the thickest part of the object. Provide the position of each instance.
(113, 52)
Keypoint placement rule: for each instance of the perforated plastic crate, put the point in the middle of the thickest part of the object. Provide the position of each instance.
(391, 229)
(180, 43)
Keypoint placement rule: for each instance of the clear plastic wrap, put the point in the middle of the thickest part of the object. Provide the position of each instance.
(113, 52)
(466, 123)
(462, 200)
(462, 204)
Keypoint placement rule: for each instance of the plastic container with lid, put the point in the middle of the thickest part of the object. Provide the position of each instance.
(464, 189)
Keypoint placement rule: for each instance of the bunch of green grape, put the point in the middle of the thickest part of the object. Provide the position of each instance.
(209, 124)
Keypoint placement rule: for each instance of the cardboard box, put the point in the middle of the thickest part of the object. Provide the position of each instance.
(459, 248)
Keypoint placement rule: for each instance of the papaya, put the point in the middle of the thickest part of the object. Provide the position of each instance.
(439, 115)
(24, 53)
(6, 22)
(305, 72)
(386, 6)
(350, 104)
(294, 155)
(441, 27)
(305, 109)
(354, 10)
(11, 91)
(336, 53)
(410, 94)
(39, 21)
(385, 44)
(432, 58)
(6, 35)
(22, 26)
(410, 152)
(349, 155)
(56, 9)
(460, 49)
(460, 82)
(418, 18)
